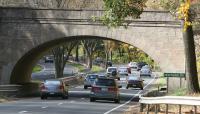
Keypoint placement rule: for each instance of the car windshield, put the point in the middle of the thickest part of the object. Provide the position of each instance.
(134, 78)
(105, 82)
(122, 69)
(111, 69)
(92, 76)
(52, 82)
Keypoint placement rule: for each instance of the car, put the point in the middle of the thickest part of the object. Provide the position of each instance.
(135, 82)
(146, 71)
(102, 76)
(54, 88)
(49, 59)
(123, 70)
(109, 63)
(133, 66)
(112, 72)
(89, 80)
(105, 89)
(140, 65)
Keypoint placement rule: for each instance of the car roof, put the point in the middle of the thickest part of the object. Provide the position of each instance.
(53, 80)
(122, 67)
(111, 67)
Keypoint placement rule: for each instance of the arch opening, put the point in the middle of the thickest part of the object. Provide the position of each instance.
(22, 71)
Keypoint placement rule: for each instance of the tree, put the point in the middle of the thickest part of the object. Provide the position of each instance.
(59, 59)
(109, 46)
(61, 55)
(89, 47)
(116, 11)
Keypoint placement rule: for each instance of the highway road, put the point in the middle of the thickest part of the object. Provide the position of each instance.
(78, 103)
(48, 71)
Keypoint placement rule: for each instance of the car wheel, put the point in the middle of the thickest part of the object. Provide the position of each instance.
(42, 97)
(118, 78)
(141, 88)
(85, 87)
(92, 99)
(127, 87)
(117, 101)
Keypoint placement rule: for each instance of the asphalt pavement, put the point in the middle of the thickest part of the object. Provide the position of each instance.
(48, 71)
(78, 102)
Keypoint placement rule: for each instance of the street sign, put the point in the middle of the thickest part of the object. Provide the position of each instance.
(174, 74)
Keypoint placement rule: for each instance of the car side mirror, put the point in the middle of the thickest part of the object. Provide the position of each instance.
(120, 86)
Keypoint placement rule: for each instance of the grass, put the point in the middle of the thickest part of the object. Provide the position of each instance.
(179, 92)
(96, 69)
(80, 67)
(37, 68)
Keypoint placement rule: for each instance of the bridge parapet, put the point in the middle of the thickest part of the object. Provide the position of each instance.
(156, 18)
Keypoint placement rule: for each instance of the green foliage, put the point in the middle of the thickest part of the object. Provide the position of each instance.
(37, 68)
(96, 69)
(170, 5)
(80, 67)
(116, 11)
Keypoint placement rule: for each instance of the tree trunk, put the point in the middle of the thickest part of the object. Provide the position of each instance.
(107, 53)
(111, 54)
(89, 62)
(191, 68)
(77, 54)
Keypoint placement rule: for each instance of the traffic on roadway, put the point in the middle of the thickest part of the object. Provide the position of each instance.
(110, 92)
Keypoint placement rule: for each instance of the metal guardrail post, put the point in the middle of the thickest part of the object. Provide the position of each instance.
(195, 109)
(141, 107)
(148, 106)
(179, 109)
(166, 111)
(156, 109)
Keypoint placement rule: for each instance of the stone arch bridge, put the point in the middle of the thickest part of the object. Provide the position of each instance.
(25, 34)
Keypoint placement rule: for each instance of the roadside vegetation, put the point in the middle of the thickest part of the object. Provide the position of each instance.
(37, 68)
(80, 67)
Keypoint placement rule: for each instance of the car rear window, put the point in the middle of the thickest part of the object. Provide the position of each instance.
(112, 69)
(105, 82)
(52, 82)
(92, 76)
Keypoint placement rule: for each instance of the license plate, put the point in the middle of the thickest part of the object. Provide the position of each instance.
(51, 93)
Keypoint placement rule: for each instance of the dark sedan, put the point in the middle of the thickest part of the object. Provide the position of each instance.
(135, 82)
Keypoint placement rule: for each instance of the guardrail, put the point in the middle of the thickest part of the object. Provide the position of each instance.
(169, 100)
(9, 90)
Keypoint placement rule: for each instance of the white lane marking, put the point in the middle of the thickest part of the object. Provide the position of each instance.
(82, 98)
(44, 107)
(72, 102)
(21, 112)
(130, 99)
(60, 103)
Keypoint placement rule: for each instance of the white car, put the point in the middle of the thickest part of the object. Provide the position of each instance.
(145, 71)
(123, 70)
(110, 70)
(133, 66)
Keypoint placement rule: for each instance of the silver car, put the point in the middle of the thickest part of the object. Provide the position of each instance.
(54, 88)
(105, 89)
(145, 71)
(89, 80)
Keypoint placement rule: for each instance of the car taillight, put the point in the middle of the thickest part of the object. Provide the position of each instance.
(61, 87)
(96, 89)
(43, 87)
(112, 89)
